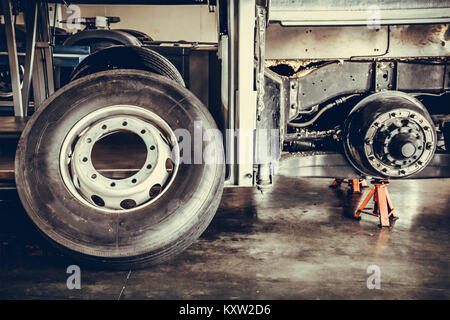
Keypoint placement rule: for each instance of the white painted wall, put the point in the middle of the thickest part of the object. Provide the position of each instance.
(171, 23)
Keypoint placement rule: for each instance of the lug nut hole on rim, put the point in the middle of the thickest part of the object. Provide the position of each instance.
(169, 165)
(128, 204)
(155, 190)
(98, 201)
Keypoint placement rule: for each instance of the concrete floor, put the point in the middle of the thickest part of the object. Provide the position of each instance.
(296, 241)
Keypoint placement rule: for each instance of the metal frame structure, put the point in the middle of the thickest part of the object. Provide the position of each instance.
(38, 56)
(241, 91)
(13, 60)
(38, 72)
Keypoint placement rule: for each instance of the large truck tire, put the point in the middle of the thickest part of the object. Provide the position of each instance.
(101, 39)
(97, 40)
(127, 57)
(130, 224)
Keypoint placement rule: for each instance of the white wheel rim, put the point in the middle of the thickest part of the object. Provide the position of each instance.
(141, 189)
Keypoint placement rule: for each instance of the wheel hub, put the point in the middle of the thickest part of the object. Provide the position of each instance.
(399, 142)
(402, 147)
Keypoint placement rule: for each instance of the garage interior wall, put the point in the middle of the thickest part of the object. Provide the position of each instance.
(171, 23)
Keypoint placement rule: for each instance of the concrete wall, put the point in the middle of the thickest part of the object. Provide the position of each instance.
(171, 23)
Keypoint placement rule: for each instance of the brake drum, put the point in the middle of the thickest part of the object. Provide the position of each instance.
(389, 134)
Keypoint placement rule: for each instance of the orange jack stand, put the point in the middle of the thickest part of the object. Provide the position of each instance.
(336, 183)
(355, 184)
(382, 203)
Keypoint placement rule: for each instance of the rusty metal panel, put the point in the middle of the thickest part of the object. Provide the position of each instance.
(334, 80)
(425, 76)
(352, 42)
(384, 75)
